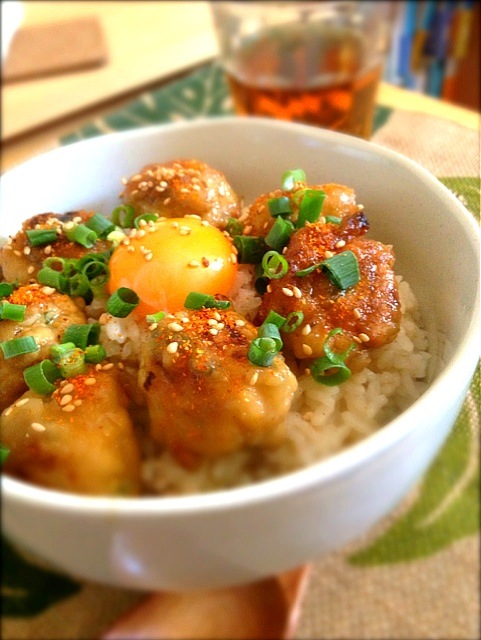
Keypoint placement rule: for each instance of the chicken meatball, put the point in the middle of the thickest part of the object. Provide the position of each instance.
(47, 315)
(79, 439)
(368, 313)
(182, 187)
(21, 261)
(340, 201)
(204, 396)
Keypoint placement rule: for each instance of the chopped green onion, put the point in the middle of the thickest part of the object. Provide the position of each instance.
(52, 278)
(274, 265)
(293, 320)
(234, 227)
(342, 269)
(72, 363)
(78, 285)
(66, 266)
(275, 318)
(82, 335)
(9, 311)
(58, 351)
(308, 270)
(145, 217)
(123, 216)
(101, 225)
(18, 346)
(270, 330)
(4, 452)
(262, 351)
(279, 234)
(122, 302)
(336, 358)
(333, 219)
(155, 317)
(6, 289)
(116, 236)
(95, 353)
(289, 179)
(310, 207)
(339, 372)
(279, 206)
(41, 376)
(196, 300)
(94, 268)
(260, 281)
(332, 363)
(82, 235)
(39, 237)
(250, 249)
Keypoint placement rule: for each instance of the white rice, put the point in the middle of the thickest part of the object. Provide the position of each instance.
(323, 420)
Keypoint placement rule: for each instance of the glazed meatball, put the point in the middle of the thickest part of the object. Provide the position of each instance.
(21, 261)
(182, 187)
(340, 201)
(47, 315)
(79, 439)
(368, 313)
(205, 398)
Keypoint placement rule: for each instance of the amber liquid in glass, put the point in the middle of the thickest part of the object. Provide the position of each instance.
(309, 77)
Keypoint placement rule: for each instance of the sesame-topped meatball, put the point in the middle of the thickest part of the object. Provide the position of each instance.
(182, 187)
(20, 260)
(205, 398)
(340, 201)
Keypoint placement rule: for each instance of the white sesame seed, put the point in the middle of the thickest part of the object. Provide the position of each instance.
(356, 313)
(108, 366)
(184, 230)
(31, 269)
(306, 349)
(66, 399)
(68, 408)
(193, 263)
(17, 253)
(48, 291)
(287, 292)
(240, 323)
(217, 316)
(213, 331)
(21, 402)
(27, 250)
(212, 322)
(254, 378)
(172, 347)
(297, 292)
(8, 411)
(36, 426)
(67, 388)
(175, 326)
(90, 381)
(364, 337)
(306, 330)
(340, 244)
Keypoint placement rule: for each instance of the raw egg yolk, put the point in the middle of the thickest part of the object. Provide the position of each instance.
(167, 261)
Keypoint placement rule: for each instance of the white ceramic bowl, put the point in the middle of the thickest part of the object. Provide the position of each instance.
(233, 536)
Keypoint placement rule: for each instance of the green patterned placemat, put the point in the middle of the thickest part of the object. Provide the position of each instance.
(203, 93)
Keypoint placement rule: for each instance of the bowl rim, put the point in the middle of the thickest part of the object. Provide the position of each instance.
(460, 367)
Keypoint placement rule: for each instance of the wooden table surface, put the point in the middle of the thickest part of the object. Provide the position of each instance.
(148, 44)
